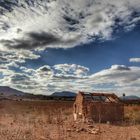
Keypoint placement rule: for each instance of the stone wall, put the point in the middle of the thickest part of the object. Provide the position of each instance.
(97, 111)
(103, 112)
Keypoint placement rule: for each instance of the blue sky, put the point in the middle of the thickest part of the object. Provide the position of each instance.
(49, 46)
(95, 55)
(98, 55)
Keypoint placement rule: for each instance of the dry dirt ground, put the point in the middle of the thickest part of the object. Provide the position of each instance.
(52, 120)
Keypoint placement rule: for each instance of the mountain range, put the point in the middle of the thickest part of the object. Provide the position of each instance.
(7, 91)
(11, 93)
(64, 94)
(130, 97)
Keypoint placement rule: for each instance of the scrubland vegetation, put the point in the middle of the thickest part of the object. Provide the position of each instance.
(51, 120)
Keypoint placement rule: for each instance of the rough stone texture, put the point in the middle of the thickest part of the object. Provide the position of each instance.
(98, 107)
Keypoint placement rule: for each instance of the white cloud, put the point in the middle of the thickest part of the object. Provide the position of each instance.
(122, 79)
(67, 70)
(46, 80)
(67, 23)
(17, 56)
(119, 76)
(36, 25)
(134, 60)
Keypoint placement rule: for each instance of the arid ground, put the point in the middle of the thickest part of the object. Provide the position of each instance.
(53, 120)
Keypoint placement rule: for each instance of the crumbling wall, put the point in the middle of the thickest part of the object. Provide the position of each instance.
(98, 111)
(103, 112)
(78, 107)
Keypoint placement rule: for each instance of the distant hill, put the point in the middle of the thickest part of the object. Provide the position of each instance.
(7, 91)
(11, 93)
(64, 94)
(130, 97)
(14, 94)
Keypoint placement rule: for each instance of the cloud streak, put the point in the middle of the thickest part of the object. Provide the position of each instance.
(62, 23)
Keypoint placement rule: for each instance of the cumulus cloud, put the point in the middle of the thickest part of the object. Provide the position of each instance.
(14, 59)
(48, 79)
(73, 70)
(120, 79)
(134, 60)
(119, 67)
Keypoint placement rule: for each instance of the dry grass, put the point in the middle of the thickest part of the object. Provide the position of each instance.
(132, 113)
(50, 120)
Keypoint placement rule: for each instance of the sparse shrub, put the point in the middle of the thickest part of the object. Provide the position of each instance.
(132, 113)
(45, 120)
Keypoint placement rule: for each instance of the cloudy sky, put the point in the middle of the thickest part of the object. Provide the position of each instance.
(70, 45)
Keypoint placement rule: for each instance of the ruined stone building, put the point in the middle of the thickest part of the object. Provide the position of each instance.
(98, 107)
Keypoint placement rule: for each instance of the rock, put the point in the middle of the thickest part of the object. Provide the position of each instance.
(90, 126)
(81, 130)
(69, 129)
(94, 131)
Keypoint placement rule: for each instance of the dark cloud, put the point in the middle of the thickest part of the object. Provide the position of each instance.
(67, 77)
(2, 59)
(45, 69)
(5, 26)
(70, 20)
(7, 5)
(120, 67)
(44, 38)
(19, 30)
(19, 77)
(34, 40)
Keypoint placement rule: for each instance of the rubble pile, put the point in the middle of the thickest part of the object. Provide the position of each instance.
(91, 129)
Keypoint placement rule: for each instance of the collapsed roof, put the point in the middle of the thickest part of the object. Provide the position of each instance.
(100, 97)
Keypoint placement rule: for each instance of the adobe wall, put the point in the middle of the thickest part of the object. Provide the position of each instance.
(78, 104)
(97, 111)
(103, 112)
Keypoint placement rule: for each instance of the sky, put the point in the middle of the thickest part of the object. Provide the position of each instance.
(48, 46)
